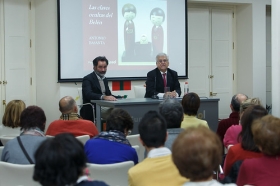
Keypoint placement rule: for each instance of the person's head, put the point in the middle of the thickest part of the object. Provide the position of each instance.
(68, 105)
(32, 117)
(59, 161)
(191, 103)
(119, 120)
(152, 129)
(246, 136)
(157, 16)
(100, 64)
(236, 100)
(11, 117)
(247, 103)
(172, 112)
(266, 132)
(197, 152)
(162, 62)
(129, 11)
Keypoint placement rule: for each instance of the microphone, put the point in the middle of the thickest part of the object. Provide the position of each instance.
(155, 96)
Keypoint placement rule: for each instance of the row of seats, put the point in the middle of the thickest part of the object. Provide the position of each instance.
(113, 174)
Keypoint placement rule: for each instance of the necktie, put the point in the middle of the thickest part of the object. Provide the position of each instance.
(164, 79)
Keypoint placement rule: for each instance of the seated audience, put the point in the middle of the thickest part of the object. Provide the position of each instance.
(191, 103)
(247, 148)
(172, 112)
(11, 118)
(264, 170)
(197, 152)
(111, 146)
(61, 161)
(233, 119)
(231, 136)
(157, 168)
(32, 122)
(70, 121)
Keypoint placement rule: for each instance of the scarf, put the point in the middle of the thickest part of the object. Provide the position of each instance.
(113, 135)
(71, 116)
(32, 131)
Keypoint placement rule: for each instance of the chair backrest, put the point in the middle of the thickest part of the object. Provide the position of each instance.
(5, 138)
(134, 140)
(136, 147)
(139, 91)
(83, 138)
(113, 174)
(15, 174)
(1, 150)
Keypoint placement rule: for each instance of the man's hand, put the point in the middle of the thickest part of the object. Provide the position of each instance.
(109, 98)
(173, 94)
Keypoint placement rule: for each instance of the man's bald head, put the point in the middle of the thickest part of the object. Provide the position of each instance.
(67, 105)
(236, 100)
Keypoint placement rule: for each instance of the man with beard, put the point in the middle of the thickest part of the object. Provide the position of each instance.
(95, 87)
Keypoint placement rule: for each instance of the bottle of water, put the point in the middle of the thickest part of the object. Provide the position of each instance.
(186, 88)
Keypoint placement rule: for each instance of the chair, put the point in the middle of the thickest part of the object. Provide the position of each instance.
(5, 138)
(16, 174)
(136, 147)
(1, 150)
(134, 140)
(113, 174)
(80, 99)
(83, 138)
(139, 91)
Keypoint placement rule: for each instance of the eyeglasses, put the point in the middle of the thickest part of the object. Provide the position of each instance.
(163, 61)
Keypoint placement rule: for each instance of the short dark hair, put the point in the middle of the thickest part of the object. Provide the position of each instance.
(235, 103)
(33, 116)
(128, 8)
(246, 135)
(266, 131)
(99, 58)
(119, 120)
(59, 160)
(196, 152)
(172, 112)
(152, 129)
(191, 103)
(158, 12)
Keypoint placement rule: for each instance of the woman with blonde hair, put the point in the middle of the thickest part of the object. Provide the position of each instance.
(11, 118)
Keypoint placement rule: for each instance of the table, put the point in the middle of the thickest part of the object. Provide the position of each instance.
(137, 107)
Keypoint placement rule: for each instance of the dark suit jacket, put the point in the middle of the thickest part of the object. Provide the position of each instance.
(155, 75)
(92, 91)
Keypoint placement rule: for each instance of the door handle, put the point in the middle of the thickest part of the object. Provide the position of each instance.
(213, 93)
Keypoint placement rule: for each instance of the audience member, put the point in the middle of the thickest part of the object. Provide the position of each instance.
(172, 112)
(233, 119)
(32, 122)
(231, 135)
(157, 168)
(161, 77)
(61, 161)
(191, 103)
(95, 87)
(11, 118)
(70, 121)
(264, 170)
(246, 149)
(197, 152)
(111, 146)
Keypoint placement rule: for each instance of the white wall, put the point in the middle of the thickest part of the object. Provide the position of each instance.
(250, 51)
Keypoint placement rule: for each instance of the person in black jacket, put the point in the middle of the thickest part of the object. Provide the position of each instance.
(62, 161)
(162, 77)
(95, 87)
